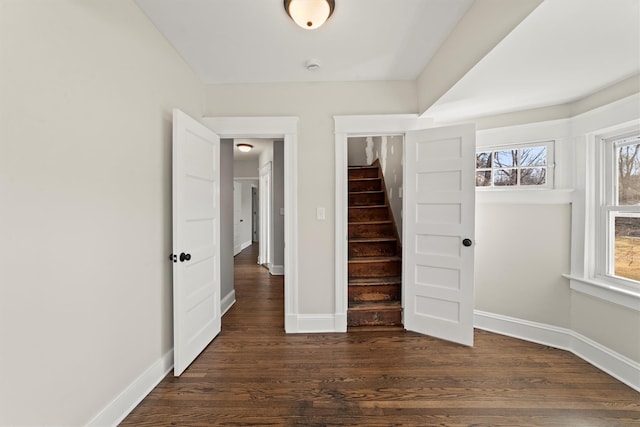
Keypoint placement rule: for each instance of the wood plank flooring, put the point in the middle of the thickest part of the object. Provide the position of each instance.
(255, 374)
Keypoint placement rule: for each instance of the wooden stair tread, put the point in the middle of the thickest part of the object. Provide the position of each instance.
(375, 306)
(380, 221)
(366, 192)
(363, 167)
(366, 259)
(376, 281)
(367, 207)
(372, 239)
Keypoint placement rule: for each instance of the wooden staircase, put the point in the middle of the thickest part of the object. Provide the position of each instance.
(375, 255)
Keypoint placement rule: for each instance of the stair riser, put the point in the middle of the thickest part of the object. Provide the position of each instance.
(359, 249)
(366, 199)
(363, 173)
(370, 230)
(362, 293)
(368, 214)
(366, 185)
(374, 318)
(375, 269)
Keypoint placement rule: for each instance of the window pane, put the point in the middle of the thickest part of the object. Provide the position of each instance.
(483, 160)
(627, 247)
(533, 176)
(506, 177)
(483, 178)
(505, 159)
(534, 156)
(628, 157)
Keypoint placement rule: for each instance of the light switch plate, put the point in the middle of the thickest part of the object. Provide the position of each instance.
(320, 213)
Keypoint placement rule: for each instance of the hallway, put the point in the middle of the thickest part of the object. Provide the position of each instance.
(255, 374)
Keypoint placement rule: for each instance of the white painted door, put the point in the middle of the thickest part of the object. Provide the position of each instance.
(196, 239)
(264, 256)
(237, 214)
(438, 251)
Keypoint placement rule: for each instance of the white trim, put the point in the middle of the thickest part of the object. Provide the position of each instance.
(618, 366)
(252, 127)
(616, 294)
(245, 245)
(227, 301)
(315, 323)
(130, 397)
(523, 196)
(276, 270)
(239, 248)
(275, 127)
(246, 178)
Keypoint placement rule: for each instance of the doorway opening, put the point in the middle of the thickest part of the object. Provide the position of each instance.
(259, 200)
(438, 220)
(374, 230)
(283, 129)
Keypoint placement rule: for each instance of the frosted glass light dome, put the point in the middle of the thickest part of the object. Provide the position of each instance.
(309, 14)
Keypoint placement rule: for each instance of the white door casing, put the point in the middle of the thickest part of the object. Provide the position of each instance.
(439, 215)
(276, 128)
(196, 238)
(265, 215)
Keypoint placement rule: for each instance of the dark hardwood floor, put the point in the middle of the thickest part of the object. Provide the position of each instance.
(255, 374)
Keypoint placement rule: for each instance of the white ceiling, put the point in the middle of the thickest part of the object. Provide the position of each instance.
(563, 51)
(229, 41)
(259, 145)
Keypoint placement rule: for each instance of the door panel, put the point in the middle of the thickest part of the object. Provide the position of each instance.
(237, 214)
(439, 213)
(196, 238)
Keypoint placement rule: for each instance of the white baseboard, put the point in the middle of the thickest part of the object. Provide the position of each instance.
(276, 270)
(130, 397)
(227, 301)
(245, 245)
(310, 323)
(603, 358)
(340, 322)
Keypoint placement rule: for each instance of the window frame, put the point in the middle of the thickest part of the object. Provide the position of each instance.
(606, 198)
(550, 166)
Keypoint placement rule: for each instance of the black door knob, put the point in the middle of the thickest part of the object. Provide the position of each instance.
(467, 242)
(184, 257)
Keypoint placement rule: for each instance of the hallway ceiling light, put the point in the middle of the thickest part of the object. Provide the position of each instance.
(309, 14)
(245, 148)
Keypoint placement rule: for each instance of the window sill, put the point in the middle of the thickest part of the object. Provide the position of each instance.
(616, 294)
(525, 196)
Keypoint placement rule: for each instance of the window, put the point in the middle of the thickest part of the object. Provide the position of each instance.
(619, 220)
(523, 166)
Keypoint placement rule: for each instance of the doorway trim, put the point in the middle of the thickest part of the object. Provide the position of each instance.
(346, 127)
(266, 220)
(277, 128)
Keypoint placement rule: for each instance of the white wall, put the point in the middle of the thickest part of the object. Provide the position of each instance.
(87, 89)
(226, 222)
(315, 104)
(524, 238)
(521, 253)
(388, 149)
(245, 168)
(278, 206)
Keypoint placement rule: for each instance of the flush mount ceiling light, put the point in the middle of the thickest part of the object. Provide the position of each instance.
(309, 14)
(245, 148)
